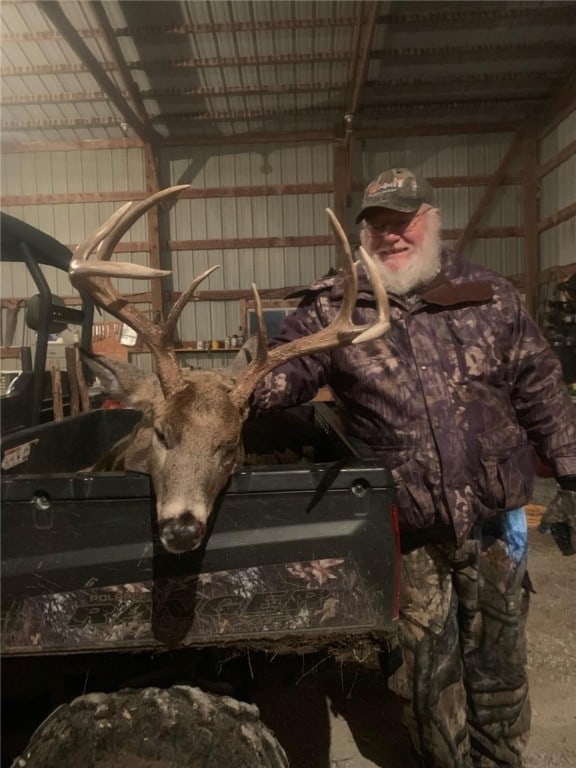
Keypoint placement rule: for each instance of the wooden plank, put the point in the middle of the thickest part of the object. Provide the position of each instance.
(25, 147)
(60, 21)
(71, 355)
(486, 199)
(487, 232)
(565, 154)
(530, 208)
(192, 194)
(152, 186)
(56, 382)
(564, 214)
(82, 387)
(341, 163)
(249, 242)
(68, 198)
(10, 352)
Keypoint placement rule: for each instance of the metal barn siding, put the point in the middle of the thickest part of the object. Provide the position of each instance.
(239, 215)
(558, 191)
(38, 178)
(446, 157)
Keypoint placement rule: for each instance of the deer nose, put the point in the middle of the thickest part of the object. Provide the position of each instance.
(182, 533)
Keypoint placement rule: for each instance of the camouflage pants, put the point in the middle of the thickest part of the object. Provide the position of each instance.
(462, 635)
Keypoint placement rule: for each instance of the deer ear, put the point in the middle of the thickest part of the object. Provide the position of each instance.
(245, 355)
(121, 380)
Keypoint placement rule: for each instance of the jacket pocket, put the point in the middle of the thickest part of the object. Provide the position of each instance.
(505, 472)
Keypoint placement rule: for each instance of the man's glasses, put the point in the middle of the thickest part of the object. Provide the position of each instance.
(397, 225)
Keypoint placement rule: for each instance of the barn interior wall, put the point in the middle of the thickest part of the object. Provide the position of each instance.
(557, 192)
(69, 193)
(246, 217)
(442, 157)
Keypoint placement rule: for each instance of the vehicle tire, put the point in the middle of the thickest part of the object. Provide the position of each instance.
(178, 727)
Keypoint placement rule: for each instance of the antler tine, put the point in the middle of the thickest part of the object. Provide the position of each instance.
(340, 332)
(93, 279)
(183, 299)
(132, 214)
(382, 325)
(107, 237)
(262, 333)
(83, 251)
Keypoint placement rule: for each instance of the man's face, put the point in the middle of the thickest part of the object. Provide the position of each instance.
(405, 246)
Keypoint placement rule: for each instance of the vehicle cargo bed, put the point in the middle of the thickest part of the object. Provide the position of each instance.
(304, 552)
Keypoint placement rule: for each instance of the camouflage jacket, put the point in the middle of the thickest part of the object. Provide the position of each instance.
(452, 399)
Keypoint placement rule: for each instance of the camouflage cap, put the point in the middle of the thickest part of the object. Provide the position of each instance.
(399, 189)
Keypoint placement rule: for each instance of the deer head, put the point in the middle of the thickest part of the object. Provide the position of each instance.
(189, 438)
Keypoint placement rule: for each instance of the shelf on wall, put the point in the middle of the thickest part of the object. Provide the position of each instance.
(194, 350)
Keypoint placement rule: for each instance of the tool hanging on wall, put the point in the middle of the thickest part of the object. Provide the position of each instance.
(12, 307)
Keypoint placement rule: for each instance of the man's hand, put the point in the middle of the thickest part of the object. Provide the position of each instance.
(560, 521)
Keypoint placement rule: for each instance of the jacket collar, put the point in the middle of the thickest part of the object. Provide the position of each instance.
(442, 291)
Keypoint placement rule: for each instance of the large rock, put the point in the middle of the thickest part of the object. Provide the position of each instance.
(178, 727)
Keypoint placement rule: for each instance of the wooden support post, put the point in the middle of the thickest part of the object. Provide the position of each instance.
(82, 386)
(531, 213)
(341, 184)
(489, 192)
(56, 381)
(152, 185)
(70, 353)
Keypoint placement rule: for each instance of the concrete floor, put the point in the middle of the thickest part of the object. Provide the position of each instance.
(335, 716)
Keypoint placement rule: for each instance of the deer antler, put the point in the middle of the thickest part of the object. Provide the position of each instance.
(92, 278)
(340, 332)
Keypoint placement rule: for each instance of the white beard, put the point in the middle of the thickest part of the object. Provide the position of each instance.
(421, 270)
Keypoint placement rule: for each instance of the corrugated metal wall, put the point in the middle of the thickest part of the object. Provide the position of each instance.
(122, 170)
(67, 173)
(451, 156)
(246, 217)
(557, 191)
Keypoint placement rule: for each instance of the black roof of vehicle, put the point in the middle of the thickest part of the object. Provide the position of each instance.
(46, 250)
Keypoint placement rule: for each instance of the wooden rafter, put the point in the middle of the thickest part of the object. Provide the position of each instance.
(58, 18)
(564, 97)
(120, 64)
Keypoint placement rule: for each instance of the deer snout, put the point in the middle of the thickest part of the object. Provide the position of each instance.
(182, 534)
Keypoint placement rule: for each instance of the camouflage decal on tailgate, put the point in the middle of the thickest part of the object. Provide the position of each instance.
(227, 606)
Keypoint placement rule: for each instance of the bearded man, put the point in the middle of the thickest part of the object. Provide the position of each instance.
(453, 401)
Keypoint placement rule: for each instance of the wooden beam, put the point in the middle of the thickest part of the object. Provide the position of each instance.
(153, 219)
(121, 65)
(530, 208)
(16, 147)
(205, 193)
(559, 106)
(70, 198)
(484, 203)
(361, 55)
(533, 121)
(569, 212)
(200, 193)
(565, 154)
(274, 137)
(460, 54)
(341, 165)
(59, 20)
(250, 242)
